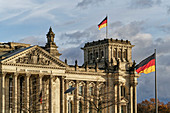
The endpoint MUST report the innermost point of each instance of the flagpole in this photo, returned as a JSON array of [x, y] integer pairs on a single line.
[[107, 75], [107, 28], [156, 100]]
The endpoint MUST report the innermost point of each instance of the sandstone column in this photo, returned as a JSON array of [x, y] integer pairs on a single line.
[[62, 102], [27, 90], [66, 97], [118, 97], [51, 94], [40, 93], [134, 98], [115, 98], [15, 92], [3, 91], [131, 99]]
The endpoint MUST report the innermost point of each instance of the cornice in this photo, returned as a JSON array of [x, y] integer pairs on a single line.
[[35, 66], [84, 73]]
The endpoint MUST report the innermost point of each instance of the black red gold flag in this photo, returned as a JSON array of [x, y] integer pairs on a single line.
[[103, 23], [147, 65]]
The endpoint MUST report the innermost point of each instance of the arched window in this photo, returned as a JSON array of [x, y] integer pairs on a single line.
[[101, 88], [123, 91], [80, 107], [91, 91], [80, 90]]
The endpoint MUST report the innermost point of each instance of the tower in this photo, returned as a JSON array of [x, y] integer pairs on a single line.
[[50, 45], [110, 51]]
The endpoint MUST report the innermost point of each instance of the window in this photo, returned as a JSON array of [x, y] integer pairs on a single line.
[[80, 107], [21, 93], [94, 54], [123, 109], [90, 57], [80, 90], [123, 91], [100, 90], [97, 55], [102, 54], [34, 93], [120, 54], [69, 106], [125, 54], [115, 53], [91, 91], [90, 108]]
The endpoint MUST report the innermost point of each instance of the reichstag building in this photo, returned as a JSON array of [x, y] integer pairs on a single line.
[[33, 79]]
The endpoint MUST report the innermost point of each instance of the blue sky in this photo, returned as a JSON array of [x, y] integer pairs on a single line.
[[146, 23]]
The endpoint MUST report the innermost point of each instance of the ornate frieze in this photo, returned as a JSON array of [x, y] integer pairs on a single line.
[[34, 57]]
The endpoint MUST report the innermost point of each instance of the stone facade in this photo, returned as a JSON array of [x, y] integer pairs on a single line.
[[33, 79]]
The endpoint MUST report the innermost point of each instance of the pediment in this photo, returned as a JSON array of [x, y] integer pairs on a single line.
[[124, 100], [34, 55]]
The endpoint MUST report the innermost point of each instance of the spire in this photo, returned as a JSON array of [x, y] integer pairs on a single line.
[[50, 45], [50, 36]]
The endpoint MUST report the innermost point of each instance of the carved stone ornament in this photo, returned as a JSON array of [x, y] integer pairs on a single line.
[[34, 57]]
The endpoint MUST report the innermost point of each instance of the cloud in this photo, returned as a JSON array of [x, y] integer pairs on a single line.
[[20, 11], [10, 9], [140, 4], [86, 3], [165, 28], [72, 54], [42, 10], [168, 9], [33, 40]]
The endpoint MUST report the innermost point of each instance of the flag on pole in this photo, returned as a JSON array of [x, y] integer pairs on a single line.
[[103, 23], [147, 65]]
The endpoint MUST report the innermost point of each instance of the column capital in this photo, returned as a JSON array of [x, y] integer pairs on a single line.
[[87, 82], [3, 73], [62, 77], [117, 83], [133, 83], [41, 75], [28, 74], [16, 74]]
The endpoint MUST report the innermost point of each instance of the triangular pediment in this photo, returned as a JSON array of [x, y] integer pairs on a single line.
[[124, 100], [33, 55]]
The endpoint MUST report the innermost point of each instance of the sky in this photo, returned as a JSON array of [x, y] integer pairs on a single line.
[[146, 23]]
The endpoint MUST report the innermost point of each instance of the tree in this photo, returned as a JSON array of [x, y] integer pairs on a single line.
[[98, 100], [148, 106]]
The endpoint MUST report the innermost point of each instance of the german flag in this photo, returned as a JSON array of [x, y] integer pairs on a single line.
[[103, 23], [147, 65]]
